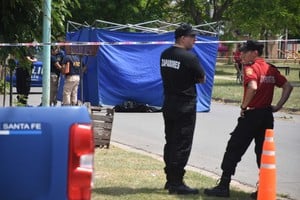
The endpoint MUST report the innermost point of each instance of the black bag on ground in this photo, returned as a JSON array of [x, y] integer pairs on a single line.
[[132, 106]]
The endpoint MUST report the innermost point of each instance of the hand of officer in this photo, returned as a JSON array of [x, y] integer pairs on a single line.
[[242, 112], [275, 108]]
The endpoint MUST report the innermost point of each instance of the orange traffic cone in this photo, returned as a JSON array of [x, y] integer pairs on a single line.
[[267, 174]]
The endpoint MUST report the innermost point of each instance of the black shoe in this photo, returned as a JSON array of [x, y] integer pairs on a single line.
[[167, 186], [218, 191], [182, 189], [253, 195]]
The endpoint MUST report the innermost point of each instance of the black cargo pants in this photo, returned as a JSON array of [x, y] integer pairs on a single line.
[[179, 118], [251, 126], [23, 81]]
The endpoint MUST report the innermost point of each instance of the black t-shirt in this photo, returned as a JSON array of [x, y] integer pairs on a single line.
[[23, 61], [180, 70]]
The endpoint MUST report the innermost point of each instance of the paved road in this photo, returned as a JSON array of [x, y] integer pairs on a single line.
[[144, 131]]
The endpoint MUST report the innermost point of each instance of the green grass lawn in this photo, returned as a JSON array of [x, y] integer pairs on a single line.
[[123, 174], [227, 89]]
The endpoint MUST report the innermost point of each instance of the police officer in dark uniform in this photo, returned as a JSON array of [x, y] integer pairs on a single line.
[[180, 71], [71, 65], [23, 74], [260, 79], [55, 69]]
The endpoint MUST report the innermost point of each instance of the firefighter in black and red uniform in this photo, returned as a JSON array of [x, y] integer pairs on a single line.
[[260, 79], [180, 71]]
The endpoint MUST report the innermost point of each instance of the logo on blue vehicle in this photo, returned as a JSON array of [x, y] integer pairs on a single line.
[[20, 128], [37, 72]]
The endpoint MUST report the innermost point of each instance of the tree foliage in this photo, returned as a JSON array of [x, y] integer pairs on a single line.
[[19, 21], [251, 17], [127, 11], [260, 17], [22, 21], [59, 14]]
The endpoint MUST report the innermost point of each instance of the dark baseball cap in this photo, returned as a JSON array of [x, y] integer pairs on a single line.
[[184, 29], [252, 45]]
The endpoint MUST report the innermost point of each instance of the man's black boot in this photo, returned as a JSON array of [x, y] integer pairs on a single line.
[[253, 195], [218, 191], [181, 189], [167, 185], [221, 190]]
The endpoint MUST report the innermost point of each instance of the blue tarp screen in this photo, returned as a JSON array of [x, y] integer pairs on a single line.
[[131, 71]]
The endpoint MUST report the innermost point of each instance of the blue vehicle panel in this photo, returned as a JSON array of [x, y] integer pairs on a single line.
[[34, 145]]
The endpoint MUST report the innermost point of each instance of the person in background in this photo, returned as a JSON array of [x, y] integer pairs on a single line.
[[55, 71], [256, 114], [23, 74], [61, 53], [71, 69], [237, 63], [180, 72]]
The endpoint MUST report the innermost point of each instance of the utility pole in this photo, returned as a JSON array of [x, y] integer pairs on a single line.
[[46, 51]]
